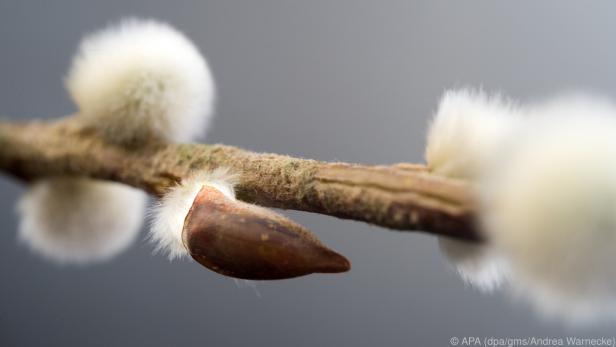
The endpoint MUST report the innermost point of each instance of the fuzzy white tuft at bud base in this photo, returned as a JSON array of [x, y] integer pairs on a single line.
[[142, 79], [79, 221], [169, 215]]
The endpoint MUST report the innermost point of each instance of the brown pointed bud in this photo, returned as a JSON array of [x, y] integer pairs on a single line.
[[245, 241]]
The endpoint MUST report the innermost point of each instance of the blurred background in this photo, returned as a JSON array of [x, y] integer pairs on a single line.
[[352, 80]]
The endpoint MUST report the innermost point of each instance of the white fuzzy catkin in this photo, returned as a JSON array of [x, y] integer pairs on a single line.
[[140, 79], [550, 207], [465, 131], [465, 135], [134, 81], [169, 215], [79, 221]]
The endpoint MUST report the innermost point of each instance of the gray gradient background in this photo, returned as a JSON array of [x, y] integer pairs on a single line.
[[331, 80]]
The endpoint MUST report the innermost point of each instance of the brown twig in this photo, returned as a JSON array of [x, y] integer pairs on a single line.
[[402, 196]]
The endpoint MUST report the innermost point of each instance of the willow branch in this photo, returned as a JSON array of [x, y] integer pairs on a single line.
[[402, 196]]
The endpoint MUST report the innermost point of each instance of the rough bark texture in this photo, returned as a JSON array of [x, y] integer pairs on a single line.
[[403, 196]]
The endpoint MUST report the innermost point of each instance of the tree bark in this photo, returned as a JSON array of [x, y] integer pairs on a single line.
[[402, 196]]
